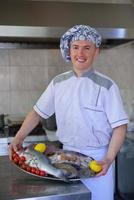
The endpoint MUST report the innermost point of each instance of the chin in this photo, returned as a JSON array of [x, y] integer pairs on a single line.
[[82, 67]]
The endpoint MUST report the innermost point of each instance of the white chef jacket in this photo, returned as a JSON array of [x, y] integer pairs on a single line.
[[87, 108]]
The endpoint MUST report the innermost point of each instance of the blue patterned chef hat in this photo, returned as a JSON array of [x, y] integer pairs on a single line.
[[78, 32]]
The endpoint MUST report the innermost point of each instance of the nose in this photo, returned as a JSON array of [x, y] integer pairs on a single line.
[[80, 52]]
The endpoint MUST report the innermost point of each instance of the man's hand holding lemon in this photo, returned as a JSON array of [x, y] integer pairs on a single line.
[[100, 167], [94, 166]]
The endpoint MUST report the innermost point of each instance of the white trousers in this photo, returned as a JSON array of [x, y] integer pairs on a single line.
[[102, 188]]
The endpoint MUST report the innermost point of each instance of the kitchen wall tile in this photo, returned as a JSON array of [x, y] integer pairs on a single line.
[[4, 102], [23, 101], [4, 78], [4, 59], [104, 65], [26, 57], [36, 57], [52, 57], [38, 78], [28, 78]]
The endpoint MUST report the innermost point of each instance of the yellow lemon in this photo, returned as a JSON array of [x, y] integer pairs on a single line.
[[40, 147], [94, 166]]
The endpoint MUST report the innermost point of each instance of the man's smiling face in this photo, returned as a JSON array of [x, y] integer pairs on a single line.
[[82, 53]]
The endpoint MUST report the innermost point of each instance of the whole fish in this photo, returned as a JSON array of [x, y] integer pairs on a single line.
[[75, 163], [40, 161]]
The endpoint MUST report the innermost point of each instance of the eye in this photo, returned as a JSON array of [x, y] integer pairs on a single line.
[[74, 47], [87, 47]]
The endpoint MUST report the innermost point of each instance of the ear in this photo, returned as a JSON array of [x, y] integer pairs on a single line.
[[97, 51]]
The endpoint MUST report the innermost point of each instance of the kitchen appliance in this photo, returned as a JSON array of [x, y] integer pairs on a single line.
[[50, 123], [14, 127]]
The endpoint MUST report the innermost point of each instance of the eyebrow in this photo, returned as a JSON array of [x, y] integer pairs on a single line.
[[73, 45]]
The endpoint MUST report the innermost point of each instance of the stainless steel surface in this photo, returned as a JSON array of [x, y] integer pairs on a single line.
[[45, 21], [14, 184], [49, 33]]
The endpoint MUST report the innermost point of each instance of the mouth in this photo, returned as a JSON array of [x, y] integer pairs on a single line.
[[81, 60]]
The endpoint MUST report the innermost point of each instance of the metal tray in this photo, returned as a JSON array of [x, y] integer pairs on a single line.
[[48, 177], [76, 155]]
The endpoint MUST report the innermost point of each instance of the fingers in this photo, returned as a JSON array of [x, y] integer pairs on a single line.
[[102, 173], [105, 166], [10, 150], [13, 147]]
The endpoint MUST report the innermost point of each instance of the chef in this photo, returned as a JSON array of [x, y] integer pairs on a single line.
[[88, 108]]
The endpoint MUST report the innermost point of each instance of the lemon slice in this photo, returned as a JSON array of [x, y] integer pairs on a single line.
[[94, 166], [40, 147]]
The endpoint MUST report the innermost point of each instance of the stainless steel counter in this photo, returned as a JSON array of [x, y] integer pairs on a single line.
[[16, 184]]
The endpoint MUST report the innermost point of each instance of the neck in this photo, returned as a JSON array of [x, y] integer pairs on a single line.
[[81, 72]]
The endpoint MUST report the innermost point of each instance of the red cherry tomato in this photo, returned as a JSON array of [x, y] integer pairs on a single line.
[[24, 166], [16, 160], [28, 168], [20, 163], [33, 170], [22, 158], [37, 171], [15, 155], [42, 173]]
